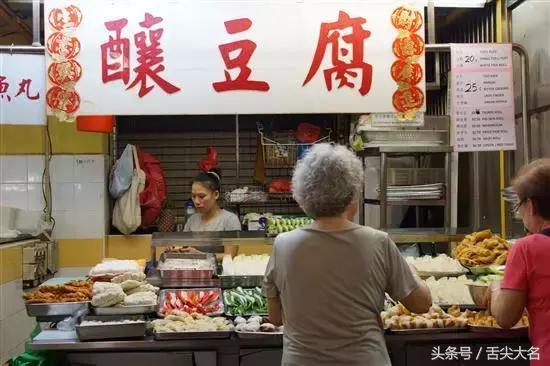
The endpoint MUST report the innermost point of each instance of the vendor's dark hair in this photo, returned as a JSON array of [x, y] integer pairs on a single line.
[[533, 183], [210, 179]]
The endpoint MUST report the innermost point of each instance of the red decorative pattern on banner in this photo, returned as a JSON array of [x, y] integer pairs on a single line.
[[66, 18], [408, 47], [64, 71]]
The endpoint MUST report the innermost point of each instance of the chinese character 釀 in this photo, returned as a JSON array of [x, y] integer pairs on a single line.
[[329, 35], [117, 48], [246, 48], [149, 56]]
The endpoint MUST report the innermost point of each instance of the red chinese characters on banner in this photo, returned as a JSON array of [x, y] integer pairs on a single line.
[[24, 88], [246, 48], [149, 57], [329, 35], [116, 48], [4, 86]]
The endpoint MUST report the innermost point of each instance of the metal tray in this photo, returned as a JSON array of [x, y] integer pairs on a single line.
[[126, 310], [191, 335], [256, 335], [428, 330], [162, 295], [111, 331], [485, 329], [55, 309], [188, 273], [228, 282]]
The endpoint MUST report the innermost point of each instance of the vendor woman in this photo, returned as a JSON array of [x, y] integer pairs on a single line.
[[205, 192], [526, 281]]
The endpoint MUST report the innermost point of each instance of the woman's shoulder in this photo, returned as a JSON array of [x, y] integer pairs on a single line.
[[231, 220], [229, 215]]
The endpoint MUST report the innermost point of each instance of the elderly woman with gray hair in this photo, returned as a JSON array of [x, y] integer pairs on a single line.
[[327, 282]]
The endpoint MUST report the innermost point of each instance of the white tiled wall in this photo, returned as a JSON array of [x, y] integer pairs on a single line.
[[21, 181], [15, 325], [78, 182], [79, 196]]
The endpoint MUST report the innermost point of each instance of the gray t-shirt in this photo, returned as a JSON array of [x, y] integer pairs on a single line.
[[332, 287], [224, 221]]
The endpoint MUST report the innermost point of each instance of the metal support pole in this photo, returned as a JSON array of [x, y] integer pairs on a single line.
[[36, 23], [383, 190], [448, 190], [525, 116], [237, 148]]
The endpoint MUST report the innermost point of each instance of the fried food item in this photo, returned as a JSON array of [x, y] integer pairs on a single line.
[[399, 317], [73, 291], [482, 249], [484, 319]]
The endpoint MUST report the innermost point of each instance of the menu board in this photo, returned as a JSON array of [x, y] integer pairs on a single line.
[[482, 97]]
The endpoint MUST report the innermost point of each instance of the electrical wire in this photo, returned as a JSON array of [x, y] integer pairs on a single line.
[[46, 183]]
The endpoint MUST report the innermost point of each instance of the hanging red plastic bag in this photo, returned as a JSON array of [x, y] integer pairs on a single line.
[[280, 185], [207, 163], [308, 133], [154, 194]]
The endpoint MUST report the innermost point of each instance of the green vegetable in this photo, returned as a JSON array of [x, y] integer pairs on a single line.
[[241, 301]]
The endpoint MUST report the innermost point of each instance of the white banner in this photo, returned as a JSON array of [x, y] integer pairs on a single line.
[[482, 97], [228, 57], [22, 89]]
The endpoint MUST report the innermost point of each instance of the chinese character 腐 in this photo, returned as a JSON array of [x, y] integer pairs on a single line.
[[329, 35]]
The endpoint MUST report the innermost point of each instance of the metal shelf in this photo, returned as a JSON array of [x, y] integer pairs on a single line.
[[427, 235], [200, 239], [430, 202], [404, 149], [239, 238]]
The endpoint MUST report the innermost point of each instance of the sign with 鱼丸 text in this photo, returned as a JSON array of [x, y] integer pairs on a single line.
[[22, 89]]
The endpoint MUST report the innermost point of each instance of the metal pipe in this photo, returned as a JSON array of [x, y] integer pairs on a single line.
[[36, 23], [237, 148], [383, 189], [526, 119], [22, 49]]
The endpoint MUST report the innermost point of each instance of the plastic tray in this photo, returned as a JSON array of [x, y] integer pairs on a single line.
[[111, 331], [126, 310], [172, 336], [162, 296]]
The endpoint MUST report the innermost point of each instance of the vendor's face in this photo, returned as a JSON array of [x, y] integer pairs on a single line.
[[204, 199]]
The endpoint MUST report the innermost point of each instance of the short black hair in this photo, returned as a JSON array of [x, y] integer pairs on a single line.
[[210, 179]]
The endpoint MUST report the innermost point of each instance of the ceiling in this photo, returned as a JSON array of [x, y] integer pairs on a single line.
[[15, 22]]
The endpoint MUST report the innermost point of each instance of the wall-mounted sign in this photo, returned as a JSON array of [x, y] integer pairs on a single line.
[[22, 89], [482, 97], [225, 57]]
